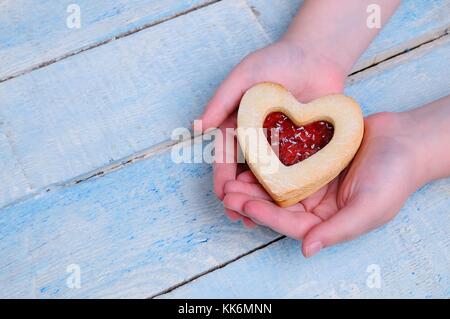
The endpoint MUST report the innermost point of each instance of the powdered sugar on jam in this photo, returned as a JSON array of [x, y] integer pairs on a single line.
[[294, 143]]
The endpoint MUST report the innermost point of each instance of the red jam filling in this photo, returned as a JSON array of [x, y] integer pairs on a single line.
[[296, 143]]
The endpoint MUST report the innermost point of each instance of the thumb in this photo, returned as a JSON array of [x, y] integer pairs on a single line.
[[226, 98], [356, 218]]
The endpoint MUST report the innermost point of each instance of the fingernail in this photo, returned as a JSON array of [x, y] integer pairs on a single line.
[[248, 223], [313, 249]]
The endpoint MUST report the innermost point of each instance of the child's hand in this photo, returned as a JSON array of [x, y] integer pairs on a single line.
[[302, 71], [366, 195], [305, 72]]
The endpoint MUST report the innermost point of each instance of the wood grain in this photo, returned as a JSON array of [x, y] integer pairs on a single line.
[[34, 33], [105, 104], [133, 233], [100, 106], [414, 23], [410, 254], [153, 225]]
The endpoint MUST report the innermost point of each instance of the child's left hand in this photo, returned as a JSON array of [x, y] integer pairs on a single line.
[[304, 71], [364, 196]]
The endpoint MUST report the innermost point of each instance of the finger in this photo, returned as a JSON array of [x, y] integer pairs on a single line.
[[356, 218], [222, 174], [328, 205], [234, 216], [226, 98], [234, 202], [294, 224], [249, 223], [247, 176], [251, 189], [242, 167], [312, 201], [225, 165]]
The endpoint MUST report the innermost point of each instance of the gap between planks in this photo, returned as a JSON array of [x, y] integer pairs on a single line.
[[428, 41], [413, 45], [106, 41], [168, 144], [187, 281]]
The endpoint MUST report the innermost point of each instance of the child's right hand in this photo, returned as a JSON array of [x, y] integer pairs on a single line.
[[399, 153], [385, 171]]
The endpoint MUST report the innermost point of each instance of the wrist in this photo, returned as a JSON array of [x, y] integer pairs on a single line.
[[407, 133], [321, 49], [427, 128], [325, 74], [340, 31]]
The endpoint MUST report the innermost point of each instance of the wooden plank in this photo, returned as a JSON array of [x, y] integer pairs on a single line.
[[426, 20], [399, 78], [133, 232], [275, 16], [154, 224], [414, 22], [105, 104], [410, 254], [34, 32], [100, 106], [12, 177]]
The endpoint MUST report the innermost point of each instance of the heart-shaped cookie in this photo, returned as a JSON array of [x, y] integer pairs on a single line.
[[309, 170]]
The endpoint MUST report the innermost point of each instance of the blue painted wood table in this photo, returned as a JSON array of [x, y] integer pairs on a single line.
[[92, 204]]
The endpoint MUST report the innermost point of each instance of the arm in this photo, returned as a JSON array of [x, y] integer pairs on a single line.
[[430, 137], [337, 29]]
